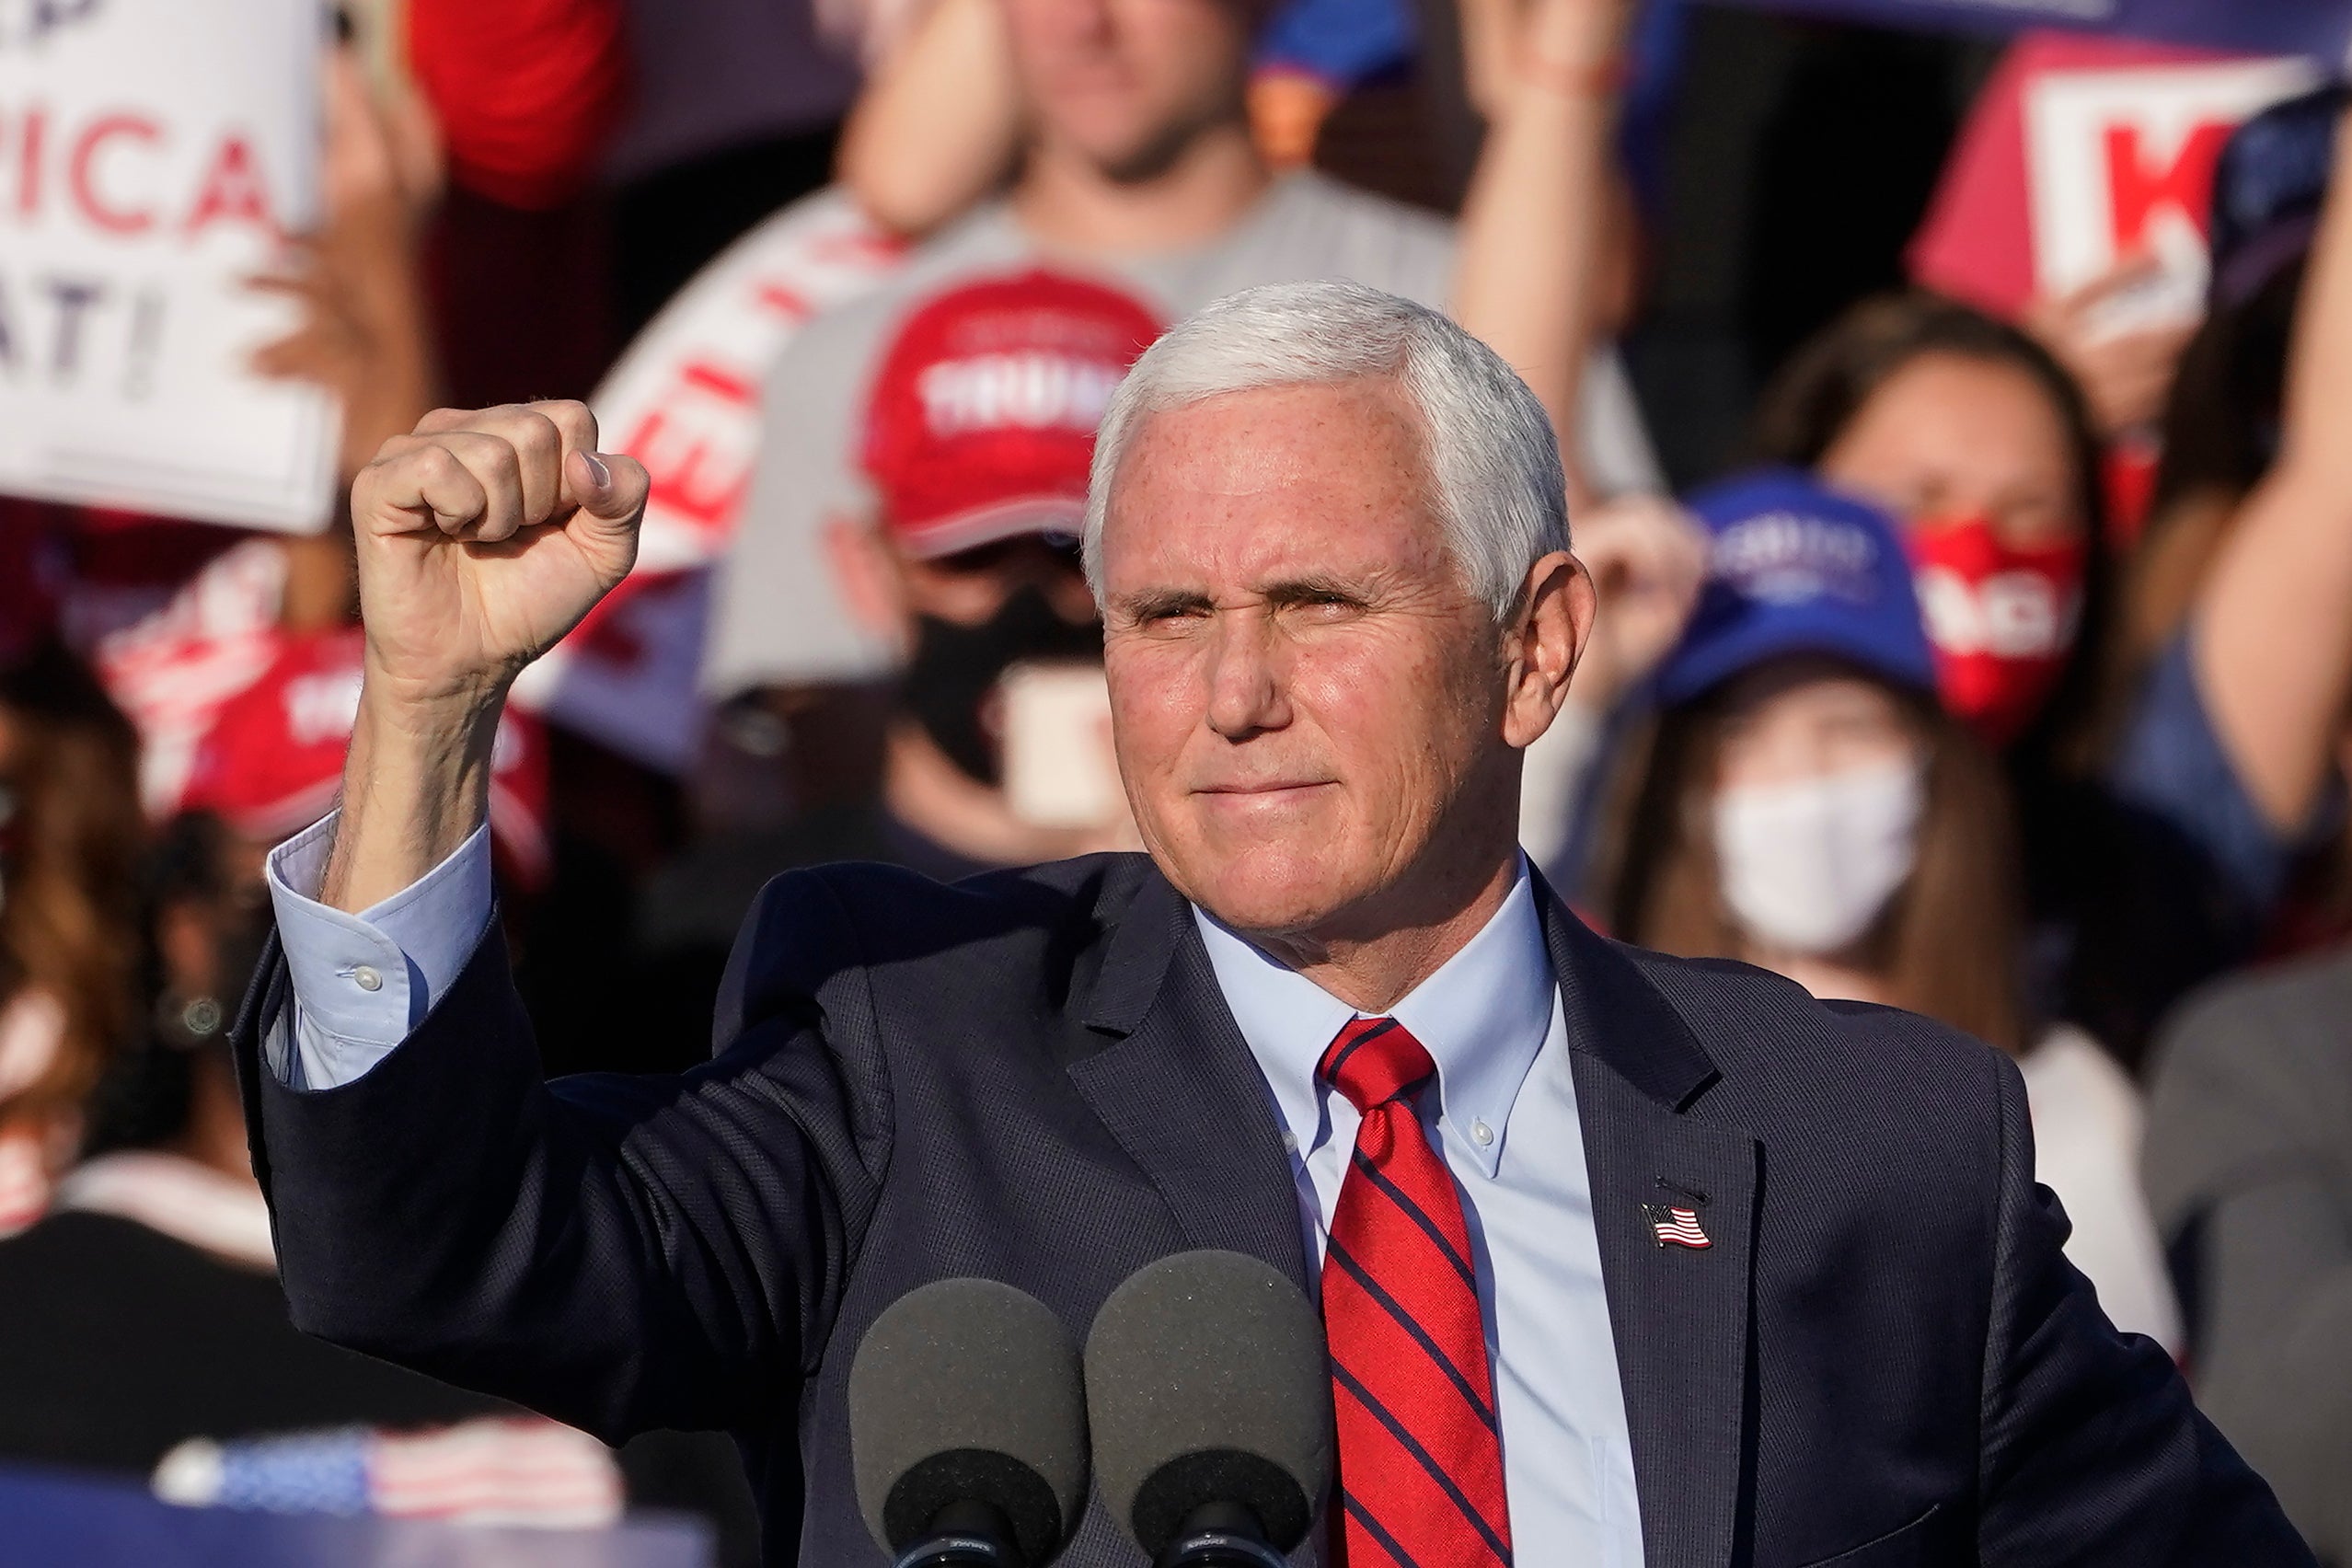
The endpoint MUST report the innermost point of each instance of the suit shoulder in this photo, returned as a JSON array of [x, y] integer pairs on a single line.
[[820, 933], [1771, 1038], [884, 912], [1870, 1116]]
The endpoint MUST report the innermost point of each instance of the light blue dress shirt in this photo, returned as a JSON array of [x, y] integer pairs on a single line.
[[1504, 1116]]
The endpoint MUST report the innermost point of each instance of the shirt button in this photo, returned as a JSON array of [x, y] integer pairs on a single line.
[[1480, 1133], [1290, 1142], [367, 979]]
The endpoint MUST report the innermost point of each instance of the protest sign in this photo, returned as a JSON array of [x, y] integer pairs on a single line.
[[2081, 154], [2120, 163], [2318, 29], [685, 401], [153, 154]]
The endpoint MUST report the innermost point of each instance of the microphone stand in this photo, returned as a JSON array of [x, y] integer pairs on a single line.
[[1220, 1535], [964, 1535]]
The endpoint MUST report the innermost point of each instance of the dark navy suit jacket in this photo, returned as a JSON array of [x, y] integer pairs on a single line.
[[1884, 1361]]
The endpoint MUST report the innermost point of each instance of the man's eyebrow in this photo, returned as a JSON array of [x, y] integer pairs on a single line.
[[1315, 588], [1150, 603]]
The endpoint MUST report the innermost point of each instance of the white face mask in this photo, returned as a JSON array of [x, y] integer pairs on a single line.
[[1807, 866]]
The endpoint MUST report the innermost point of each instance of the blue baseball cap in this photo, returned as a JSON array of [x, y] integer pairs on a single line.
[[1794, 567]]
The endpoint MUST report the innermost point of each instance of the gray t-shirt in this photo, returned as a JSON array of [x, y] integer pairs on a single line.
[[779, 618]]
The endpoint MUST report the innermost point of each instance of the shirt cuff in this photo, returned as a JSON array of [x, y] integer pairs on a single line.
[[362, 982]]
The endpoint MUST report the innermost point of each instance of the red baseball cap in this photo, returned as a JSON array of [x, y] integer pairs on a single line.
[[980, 425], [273, 758]]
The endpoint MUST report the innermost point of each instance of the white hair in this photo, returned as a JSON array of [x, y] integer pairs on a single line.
[[1493, 460]]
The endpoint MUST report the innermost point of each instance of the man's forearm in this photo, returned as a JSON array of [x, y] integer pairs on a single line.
[[416, 785], [481, 540]]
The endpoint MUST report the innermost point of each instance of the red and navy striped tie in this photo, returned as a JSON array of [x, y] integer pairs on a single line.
[[1420, 1452]]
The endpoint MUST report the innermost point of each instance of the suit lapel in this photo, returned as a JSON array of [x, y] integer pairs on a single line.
[[1680, 1315], [1181, 1092]]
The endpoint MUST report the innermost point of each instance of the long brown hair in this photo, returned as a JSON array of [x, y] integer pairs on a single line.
[[68, 886], [1949, 945]]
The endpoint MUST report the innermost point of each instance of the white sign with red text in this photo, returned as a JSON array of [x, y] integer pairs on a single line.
[[2120, 162], [2081, 153], [685, 401], [153, 154]]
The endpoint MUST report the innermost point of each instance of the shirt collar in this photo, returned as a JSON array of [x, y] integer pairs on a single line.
[[1482, 1017]]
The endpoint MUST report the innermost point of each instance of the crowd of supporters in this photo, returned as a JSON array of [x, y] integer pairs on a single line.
[[1921, 688]]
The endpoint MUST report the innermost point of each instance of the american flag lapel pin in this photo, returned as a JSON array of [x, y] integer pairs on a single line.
[[1674, 1225]]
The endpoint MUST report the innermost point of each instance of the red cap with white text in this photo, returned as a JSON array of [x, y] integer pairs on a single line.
[[272, 760], [980, 425]]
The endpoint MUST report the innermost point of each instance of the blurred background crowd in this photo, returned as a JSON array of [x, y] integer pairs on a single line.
[[1964, 645]]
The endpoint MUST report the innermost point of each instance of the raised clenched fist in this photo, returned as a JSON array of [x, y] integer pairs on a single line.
[[483, 537]]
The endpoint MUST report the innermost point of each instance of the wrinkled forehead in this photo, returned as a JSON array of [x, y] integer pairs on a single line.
[[1329, 476]]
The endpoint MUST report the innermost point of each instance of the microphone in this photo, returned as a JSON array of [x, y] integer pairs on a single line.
[[967, 1428], [1209, 1390]]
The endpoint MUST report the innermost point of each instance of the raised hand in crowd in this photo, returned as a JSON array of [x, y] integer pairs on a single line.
[[1543, 223], [1648, 558], [2120, 336], [2245, 1157], [1648, 562], [2272, 623], [936, 125], [482, 538]]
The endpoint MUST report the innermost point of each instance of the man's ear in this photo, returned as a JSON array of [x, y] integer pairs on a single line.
[[1545, 640]]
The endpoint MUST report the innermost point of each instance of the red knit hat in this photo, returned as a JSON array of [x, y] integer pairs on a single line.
[[981, 424], [273, 758]]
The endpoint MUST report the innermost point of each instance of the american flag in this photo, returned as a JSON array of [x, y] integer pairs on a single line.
[[524, 1471], [1675, 1226]]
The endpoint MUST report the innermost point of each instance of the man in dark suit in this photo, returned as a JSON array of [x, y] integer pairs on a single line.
[[1623, 1260]]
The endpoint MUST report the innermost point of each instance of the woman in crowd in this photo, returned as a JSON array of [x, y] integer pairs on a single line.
[[142, 1311], [1977, 441], [159, 1243], [1808, 804], [70, 830]]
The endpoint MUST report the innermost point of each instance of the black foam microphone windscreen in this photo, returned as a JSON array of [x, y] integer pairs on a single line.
[[967, 1391], [1207, 1382]]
